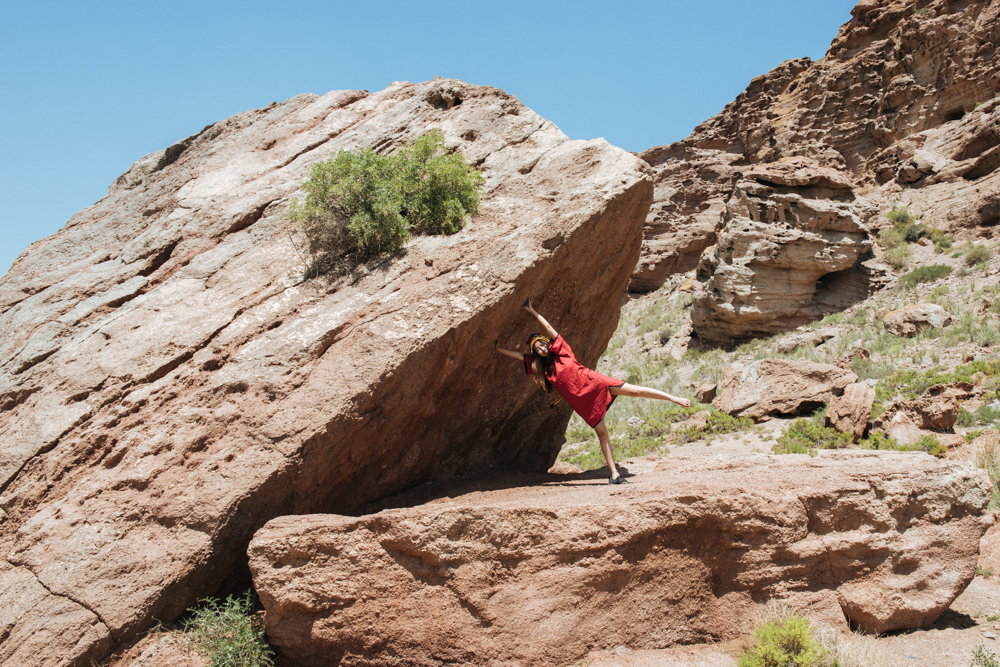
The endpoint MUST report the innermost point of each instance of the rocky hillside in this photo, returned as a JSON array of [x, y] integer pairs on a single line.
[[900, 111], [169, 380]]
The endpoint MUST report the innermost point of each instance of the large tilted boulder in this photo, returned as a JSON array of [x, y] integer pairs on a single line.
[[791, 251], [169, 381], [771, 387], [544, 573]]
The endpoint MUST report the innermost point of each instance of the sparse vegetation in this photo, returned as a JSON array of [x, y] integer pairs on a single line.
[[983, 657], [805, 436], [984, 572], [976, 254], [924, 274], [362, 203], [718, 423], [784, 642], [229, 633]]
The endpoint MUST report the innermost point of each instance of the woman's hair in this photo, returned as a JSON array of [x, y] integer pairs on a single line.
[[540, 365]]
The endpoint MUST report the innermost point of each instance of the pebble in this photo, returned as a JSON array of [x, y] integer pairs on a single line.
[[989, 635]]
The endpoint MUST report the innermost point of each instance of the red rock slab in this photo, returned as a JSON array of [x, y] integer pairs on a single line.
[[547, 573]]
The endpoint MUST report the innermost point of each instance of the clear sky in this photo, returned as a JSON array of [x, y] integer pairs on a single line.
[[90, 87]]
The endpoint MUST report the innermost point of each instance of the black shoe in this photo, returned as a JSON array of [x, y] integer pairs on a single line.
[[617, 480]]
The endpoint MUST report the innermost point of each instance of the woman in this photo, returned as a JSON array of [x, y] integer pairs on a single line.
[[554, 366]]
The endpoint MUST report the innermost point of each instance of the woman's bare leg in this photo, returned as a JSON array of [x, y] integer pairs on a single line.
[[645, 392], [602, 435]]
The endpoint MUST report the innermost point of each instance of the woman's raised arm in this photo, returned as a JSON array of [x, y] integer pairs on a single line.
[[541, 320], [510, 353]]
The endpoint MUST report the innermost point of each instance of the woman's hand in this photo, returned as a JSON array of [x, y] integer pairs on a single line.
[[527, 307]]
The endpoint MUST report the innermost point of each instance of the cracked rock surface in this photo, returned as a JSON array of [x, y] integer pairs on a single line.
[[169, 382], [545, 570]]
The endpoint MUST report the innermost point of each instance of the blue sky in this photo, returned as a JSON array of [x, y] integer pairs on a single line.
[[90, 87]]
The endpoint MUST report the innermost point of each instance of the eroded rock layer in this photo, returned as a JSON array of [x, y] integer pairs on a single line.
[[902, 106], [792, 250], [546, 573], [169, 382]]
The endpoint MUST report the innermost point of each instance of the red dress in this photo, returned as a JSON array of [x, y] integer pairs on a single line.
[[585, 390]]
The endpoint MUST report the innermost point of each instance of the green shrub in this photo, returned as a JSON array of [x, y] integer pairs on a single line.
[[986, 414], [890, 238], [805, 436], [900, 217], [230, 634], [898, 257], [983, 657], [924, 274], [976, 254], [362, 203], [930, 444], [938, 292], [785, 643], [941, 240], [718, 423], [879, 440]]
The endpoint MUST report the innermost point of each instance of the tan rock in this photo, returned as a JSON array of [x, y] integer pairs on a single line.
[[936, 409], [541, 574], [902, 429], [849, 412], [788, 255], [169, 381], [705, 393], [808, 338], [779, 386], [911, 320]]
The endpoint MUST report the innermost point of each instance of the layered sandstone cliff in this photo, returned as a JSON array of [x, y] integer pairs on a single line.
[[169, 381], [901, 108]]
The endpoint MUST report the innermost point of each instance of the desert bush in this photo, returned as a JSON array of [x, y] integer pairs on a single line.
[[805, 436], [931, 445], [229, 633], [977, 254], [924, 274], [780, 643], [890, 238], [942, 241], [900, 217], [362, 203], [927, 443], [898, 257], [986, 414], [878, 440], [718, 423], [983, 657]]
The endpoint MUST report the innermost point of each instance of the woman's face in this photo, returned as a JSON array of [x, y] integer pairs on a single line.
[[541, 348]]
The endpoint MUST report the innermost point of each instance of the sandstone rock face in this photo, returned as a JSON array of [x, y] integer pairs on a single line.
[[910, 320], [849, 412], [780, 386], [789, 254], [543, 574], [901, 107], [169, 382], [900, 427], [936, 409], [808, 338]]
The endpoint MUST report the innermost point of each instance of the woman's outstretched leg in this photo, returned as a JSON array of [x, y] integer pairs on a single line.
[[602, 435], [645, 392]]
